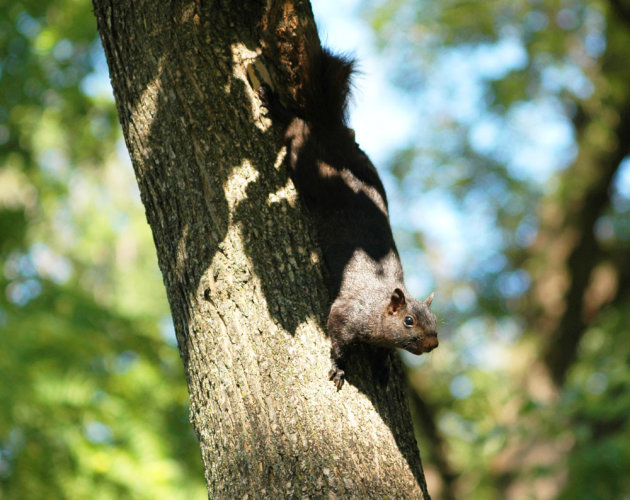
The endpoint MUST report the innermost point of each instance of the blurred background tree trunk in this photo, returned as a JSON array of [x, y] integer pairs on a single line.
[[239, 264], [529, 142]]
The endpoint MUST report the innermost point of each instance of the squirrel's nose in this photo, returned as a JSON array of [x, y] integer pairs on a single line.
[[431, 341]]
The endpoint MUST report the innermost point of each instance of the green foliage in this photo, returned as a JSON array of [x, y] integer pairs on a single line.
[[93, 402], [519, 105]]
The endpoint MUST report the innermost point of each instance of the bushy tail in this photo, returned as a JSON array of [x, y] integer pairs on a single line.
[[324, 98]]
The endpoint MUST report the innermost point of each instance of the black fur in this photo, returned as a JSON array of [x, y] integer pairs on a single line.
[[346, 197]]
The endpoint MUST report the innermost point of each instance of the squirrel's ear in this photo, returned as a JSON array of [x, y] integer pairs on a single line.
[[397, 301], [429, 299]]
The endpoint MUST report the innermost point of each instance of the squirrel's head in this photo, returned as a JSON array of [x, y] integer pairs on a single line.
[[410, 322]]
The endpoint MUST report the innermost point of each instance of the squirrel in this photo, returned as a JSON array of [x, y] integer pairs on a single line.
[[344, 193]]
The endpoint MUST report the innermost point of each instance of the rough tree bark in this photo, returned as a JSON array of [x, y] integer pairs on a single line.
[[239, 263]]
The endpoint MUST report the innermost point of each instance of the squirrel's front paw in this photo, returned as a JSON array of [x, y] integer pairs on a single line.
[[266, 95], [336, 374]]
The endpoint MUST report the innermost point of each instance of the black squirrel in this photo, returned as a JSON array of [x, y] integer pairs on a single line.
[[345, 195]]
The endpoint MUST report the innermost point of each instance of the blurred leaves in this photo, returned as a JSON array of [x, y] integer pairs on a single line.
[[515, 176], [514, 183], [93, 402]]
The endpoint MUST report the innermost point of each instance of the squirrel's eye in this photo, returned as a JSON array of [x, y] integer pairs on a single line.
[[408, 321]]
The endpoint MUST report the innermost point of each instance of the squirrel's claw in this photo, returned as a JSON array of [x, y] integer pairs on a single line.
[[336, 374], [265, 93]]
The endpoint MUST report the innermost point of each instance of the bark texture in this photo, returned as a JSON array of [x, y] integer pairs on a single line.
[[240, 266]]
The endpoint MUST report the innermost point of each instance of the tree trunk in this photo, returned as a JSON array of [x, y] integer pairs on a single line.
[[239, 261], [574, 275]]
